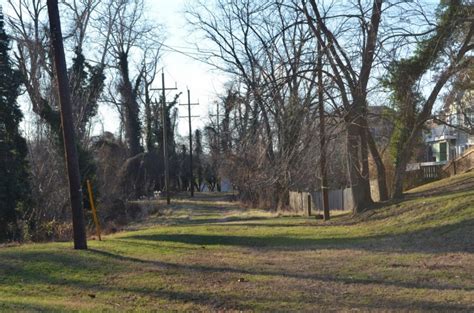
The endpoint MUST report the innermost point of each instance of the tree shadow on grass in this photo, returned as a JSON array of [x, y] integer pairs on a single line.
[[457, 237], [242, 241], [55, 267], [391, 305], [51, 267], [210, 270], [15, 306], [204, 221], [461, 185], [381, 211]]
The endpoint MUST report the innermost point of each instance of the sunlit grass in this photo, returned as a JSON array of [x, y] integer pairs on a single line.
[[213, 255]]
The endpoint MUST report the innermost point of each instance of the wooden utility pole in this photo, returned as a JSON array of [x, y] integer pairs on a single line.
[[191, 176], [322, 134], [70, 150], [165, 134]]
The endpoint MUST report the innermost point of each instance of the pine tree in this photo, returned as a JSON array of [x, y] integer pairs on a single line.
[[13, 148]]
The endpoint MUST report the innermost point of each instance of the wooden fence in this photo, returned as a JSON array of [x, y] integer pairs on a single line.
[[422, 174], [305, 202], [339, 199], [460, 165]]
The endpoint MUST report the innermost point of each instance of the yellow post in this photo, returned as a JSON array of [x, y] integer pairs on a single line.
[[94, 211]]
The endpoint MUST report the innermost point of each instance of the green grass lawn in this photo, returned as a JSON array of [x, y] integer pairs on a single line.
[[210, 255]]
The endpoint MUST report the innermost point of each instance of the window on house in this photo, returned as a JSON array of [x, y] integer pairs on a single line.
[[443, 151]]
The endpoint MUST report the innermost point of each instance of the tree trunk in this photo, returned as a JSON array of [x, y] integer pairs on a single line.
[[148, 122], [360, 187], [132, 122], [322, 135], [397, 191], [281, 199], [381, 175], [400, 169], [364, 153]]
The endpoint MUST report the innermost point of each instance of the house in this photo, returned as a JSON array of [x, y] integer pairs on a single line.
[[452, 132]]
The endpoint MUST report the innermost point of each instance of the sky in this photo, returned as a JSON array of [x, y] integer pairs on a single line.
[[204, 82]]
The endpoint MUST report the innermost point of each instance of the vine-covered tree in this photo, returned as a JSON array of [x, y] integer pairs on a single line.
[[86, 82], [198, 161], [450, 42], [13, 149]]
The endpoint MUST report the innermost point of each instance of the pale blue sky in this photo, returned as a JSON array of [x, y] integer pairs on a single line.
[[203, 81]]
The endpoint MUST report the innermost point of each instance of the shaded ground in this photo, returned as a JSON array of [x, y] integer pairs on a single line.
[[210, 255]]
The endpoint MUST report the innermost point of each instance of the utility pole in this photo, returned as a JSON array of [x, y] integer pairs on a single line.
[[70, 150], [191, 176], [165, 135]]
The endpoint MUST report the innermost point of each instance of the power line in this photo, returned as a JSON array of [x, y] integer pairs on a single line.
[[197, 56], [197, 50]]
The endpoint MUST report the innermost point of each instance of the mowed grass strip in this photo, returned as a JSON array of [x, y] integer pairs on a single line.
[[415, 255]]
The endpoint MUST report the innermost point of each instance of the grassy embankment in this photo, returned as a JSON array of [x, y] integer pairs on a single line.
[[416, 255]]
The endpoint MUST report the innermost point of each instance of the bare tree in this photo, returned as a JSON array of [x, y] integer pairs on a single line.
[[131, 34], [34, 59], [269, 55], [458, 104], [352, 77], [33, 55]]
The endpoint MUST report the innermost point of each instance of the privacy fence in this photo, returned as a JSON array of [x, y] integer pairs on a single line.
[[304, 202]]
